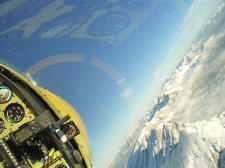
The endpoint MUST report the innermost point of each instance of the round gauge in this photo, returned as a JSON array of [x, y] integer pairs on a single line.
[[14, 112], [5, 94], [2, 125]]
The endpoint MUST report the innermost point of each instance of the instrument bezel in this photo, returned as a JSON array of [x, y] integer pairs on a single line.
[[10, 92]]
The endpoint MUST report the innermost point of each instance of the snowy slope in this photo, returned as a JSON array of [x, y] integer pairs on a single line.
[[172, 145], [200, 145], [125, 149]]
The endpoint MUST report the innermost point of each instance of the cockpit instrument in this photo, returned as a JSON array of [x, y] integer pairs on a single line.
[[5, 94], [14, 112]]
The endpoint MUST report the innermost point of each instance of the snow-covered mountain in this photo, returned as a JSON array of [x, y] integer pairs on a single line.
[[178, 132], [185, 126], [173, 145]]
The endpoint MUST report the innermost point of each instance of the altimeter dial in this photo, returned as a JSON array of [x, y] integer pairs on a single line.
[[14, 113]]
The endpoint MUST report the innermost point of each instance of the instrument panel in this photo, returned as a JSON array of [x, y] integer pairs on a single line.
[[31, 134], [14, 110]]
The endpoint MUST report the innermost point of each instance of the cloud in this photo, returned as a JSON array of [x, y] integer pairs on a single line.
[[203, 91]]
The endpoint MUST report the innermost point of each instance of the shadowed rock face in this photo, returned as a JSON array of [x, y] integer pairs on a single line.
[[161, 102], [222, 159], [154, 146]]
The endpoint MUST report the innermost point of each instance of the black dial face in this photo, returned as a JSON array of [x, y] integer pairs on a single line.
[[2, 125], [14, 113]]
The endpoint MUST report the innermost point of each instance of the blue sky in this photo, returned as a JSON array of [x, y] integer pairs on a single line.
[[135, 54]]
